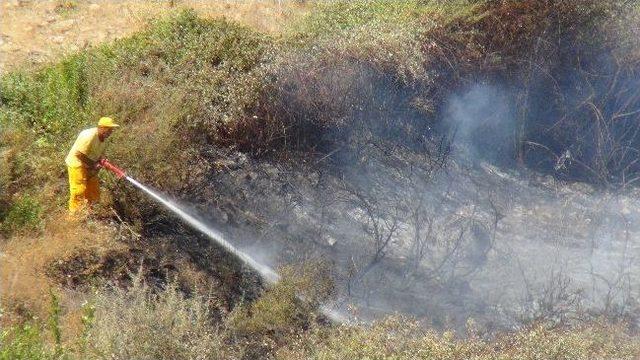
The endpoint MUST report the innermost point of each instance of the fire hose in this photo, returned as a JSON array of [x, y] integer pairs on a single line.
[[104, 163]]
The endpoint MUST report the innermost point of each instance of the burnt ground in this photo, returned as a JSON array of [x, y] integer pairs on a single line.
[[468, 240]]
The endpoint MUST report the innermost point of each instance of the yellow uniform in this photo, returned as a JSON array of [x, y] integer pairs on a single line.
[[83, 182]]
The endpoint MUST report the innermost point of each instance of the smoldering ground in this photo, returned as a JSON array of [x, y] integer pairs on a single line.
[[441, 241], [563, 249], [442, 197]]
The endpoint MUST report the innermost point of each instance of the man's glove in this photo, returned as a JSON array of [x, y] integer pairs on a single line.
[[93, 171]]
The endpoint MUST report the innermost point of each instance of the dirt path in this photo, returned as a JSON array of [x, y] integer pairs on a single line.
[[37, 31]]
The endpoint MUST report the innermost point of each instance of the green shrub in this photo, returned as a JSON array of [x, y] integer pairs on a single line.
[[285, 309], [277, 312], [40, 113], [24, 215], [28, 341], [24, 342], [64, 99], [51, 101], [54, 322]]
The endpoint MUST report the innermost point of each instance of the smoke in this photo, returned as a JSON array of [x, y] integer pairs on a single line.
[[544, 249], [443, 241], [477, 240], [409, 228], [482, 119]]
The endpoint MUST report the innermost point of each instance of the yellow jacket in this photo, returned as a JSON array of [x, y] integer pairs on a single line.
[[88, 143]]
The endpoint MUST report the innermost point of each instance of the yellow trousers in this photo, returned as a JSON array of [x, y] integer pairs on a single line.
[[83, 187]]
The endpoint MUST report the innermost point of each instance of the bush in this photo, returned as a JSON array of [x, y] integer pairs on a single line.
[[337, 18], [40, 113], [52, 102], [27, 341], [141, 323], [23, 342], [287, 308], [351, 70], [185, 79], [24, 215]]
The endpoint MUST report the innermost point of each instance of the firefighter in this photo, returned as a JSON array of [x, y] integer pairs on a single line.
[[83, 164]]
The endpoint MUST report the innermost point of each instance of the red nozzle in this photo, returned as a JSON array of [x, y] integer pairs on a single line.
[[114, 169]]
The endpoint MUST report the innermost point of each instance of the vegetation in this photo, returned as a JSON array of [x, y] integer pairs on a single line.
[[25, 214], [139, 323], [187, 82], [398, 338], [142, 323], [176, 73], [350, 75], [23, 342]]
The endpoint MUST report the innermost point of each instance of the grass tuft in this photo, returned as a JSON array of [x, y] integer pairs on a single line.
[[25, 215]]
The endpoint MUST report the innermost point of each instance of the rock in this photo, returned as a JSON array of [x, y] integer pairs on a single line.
[[57, 39], [241, 158], [251, 176], [36, 56], [9, 47], [271, 170], [64, 26], [224, 218]]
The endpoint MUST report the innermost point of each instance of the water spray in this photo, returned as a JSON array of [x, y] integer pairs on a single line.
[[266, 272]]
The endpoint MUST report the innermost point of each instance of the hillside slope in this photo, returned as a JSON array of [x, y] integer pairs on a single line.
[[468, 165]]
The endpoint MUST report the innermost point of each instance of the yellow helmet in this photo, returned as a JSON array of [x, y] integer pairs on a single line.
[[107, 122]]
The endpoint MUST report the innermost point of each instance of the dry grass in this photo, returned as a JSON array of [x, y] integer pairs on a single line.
[[23, 284], [37, 31], [400, 338], [143, 323]]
